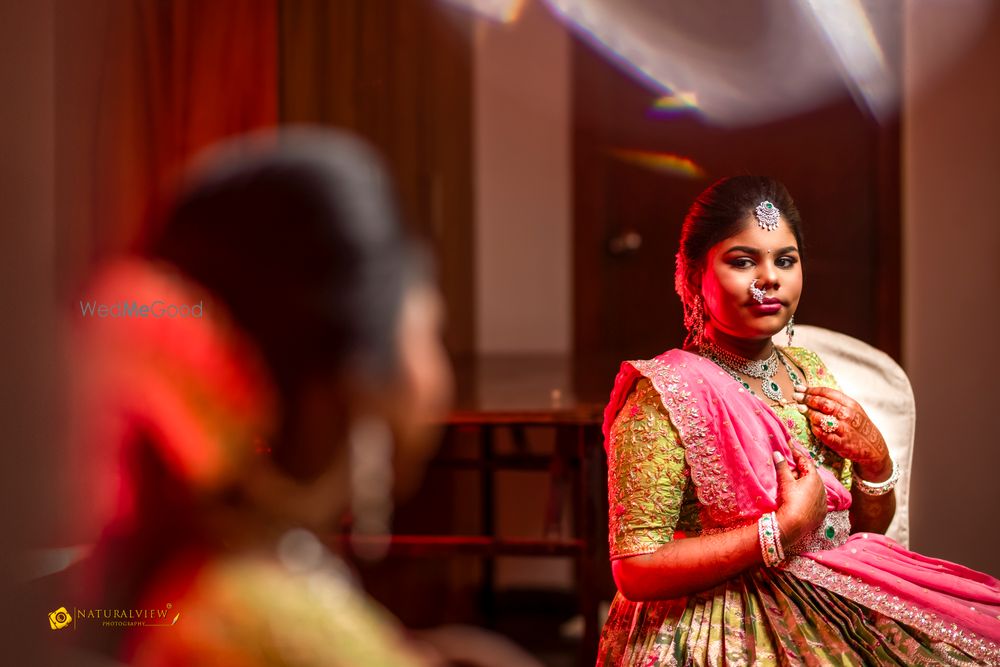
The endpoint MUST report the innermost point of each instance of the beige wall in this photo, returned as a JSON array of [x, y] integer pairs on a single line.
[[951, 184], [523, 232], [522, 158]]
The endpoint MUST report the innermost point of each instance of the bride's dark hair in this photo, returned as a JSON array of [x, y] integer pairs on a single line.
[[719, 212]]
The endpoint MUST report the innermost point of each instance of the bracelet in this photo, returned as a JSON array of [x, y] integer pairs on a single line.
[[777, 537], [879, 488], [770, 539]]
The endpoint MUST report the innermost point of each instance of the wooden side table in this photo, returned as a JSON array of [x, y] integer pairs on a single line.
[[518, 393]]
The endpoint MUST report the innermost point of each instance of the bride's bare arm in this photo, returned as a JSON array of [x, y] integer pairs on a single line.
[[872, 514], [695, 564], [688, 565]]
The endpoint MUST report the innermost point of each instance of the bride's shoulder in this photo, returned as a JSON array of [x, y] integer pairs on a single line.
[[802, 355], [674, 363], [673, 358], [662, 365], [810, 362], [677, 356]]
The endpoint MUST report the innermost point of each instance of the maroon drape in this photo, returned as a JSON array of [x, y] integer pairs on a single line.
[[142, 86]]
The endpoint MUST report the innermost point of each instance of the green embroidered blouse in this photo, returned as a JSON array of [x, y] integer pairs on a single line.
[[650, 492]]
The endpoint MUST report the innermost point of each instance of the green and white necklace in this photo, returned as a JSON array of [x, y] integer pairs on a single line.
[[761, 369]]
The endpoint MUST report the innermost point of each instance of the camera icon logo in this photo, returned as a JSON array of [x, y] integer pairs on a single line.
[[60, 618]]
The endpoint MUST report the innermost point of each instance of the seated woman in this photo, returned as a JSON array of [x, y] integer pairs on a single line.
[[748, 494], [285, 373]]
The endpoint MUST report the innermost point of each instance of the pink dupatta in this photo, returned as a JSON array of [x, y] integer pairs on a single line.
[[729, 436]]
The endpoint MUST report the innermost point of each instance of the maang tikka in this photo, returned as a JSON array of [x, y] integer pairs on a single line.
[[767, 215]]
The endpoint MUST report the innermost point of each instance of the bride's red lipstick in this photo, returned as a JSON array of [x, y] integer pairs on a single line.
[[770, 306]]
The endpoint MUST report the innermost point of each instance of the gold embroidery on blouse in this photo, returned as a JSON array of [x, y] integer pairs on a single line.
[[646, 475], [699, 439], [649, 477]]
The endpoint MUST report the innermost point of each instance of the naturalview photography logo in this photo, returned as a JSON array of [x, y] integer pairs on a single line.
[[60, 618], [156, 309], [115, 618]]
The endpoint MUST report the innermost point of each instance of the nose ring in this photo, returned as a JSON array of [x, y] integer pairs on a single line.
[[757, 293]]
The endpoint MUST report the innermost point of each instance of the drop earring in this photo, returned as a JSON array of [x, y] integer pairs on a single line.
[[371, 487], [790, 329], [694, 322]]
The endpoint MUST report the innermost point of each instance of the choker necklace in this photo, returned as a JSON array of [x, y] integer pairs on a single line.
[[762, 369]]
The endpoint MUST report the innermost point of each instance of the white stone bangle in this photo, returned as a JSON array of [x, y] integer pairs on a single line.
[[777, 536], [770, 539], [879, 488]]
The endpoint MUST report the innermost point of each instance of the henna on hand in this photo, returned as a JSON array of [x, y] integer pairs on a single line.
[[856, 438]]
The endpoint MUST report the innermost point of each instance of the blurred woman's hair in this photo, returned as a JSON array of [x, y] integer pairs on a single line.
[[300, 238]]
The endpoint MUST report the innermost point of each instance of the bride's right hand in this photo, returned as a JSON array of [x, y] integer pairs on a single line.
[[802, 501]]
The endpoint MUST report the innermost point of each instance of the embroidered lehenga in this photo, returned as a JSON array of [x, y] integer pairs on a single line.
[[689, 452]]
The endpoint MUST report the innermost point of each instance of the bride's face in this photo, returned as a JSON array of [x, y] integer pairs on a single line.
[[769, 257]]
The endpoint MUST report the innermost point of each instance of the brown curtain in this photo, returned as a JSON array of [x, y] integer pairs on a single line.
[[400, 74], [142, 85]]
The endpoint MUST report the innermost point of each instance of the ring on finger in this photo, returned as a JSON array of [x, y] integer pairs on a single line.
[[825, 406], [829, 424]]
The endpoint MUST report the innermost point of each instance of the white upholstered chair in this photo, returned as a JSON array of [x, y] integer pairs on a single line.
[[874, 380]]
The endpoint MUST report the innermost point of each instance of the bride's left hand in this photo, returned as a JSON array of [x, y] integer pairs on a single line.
[[850, 432]]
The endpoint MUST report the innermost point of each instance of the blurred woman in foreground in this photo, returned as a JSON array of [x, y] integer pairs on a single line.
[[284, 374]]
